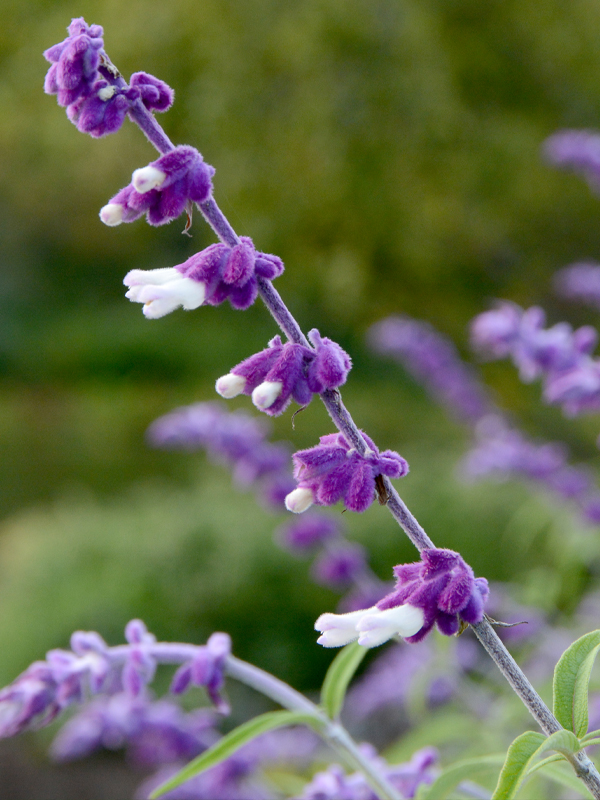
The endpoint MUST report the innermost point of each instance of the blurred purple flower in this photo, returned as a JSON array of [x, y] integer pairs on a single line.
[[432, 359], [577, 150], [580, 281], [339, 564], [307, 532]]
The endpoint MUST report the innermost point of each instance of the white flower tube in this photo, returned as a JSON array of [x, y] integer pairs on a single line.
[[230, 385], [266, 393], [370, 626], [163, 290], [299, 500]]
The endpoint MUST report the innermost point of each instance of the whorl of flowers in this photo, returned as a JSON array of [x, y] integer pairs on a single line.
[[210, 277], [285, 371], [439, 590], [162, 190], [96, 97], [334, 471]]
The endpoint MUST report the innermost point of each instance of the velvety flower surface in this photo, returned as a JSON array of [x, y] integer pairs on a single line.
[[163, 189], [433, 360], [83, 79], [210, 277], [285, 371], [334, 471], [439, 590]]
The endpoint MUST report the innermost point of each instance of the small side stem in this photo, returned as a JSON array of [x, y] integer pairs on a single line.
[[334, 733]]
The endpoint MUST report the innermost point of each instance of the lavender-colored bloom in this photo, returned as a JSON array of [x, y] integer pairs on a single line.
[[210, 277], [339, 565], [580, 281], [576, 150], [163, 189], [75, 62], [206, 669], [558, 354], [285, 371], [440, 590], [335, 784], [154, 733], [433, 360], [307, 532], [155, 94], [334, 471]]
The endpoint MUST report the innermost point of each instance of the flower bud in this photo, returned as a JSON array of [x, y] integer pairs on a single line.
[[112, 214], [266, 393], [147, 178], [231, 385], [299, 500]]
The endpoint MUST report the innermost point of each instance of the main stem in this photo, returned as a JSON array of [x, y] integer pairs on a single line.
[[332, 400]]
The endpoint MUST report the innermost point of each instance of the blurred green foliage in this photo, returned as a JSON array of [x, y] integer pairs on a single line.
[[389, 153]]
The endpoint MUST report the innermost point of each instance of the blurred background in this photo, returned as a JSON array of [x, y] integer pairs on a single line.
[[389, 152]]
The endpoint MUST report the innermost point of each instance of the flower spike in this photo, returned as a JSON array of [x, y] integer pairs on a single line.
[[334, 471], [441, 590], [285, 371]]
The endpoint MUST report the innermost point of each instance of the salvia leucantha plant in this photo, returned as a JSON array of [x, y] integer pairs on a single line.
[[109, 685]]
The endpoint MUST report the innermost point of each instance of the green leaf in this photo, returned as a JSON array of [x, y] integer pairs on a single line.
[[233, 741], [590, 738], [544, 763], [571, 679], [339, 675], [461, 771], [523, 751]]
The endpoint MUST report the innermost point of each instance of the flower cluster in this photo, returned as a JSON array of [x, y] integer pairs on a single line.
[[91, 667], [559, 355], [285, 371], [501, 451], [210, 277], [432, 360], [581, 282], [236, 439], [577, 150], [439, 590], [334, 784], [162, 190], [333, 471], [84, 80]]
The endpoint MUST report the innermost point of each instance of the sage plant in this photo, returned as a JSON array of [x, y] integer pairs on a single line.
[[439, 589]]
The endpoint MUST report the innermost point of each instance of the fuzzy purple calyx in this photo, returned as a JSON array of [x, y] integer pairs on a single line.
[[186, 179], [333, 471], [74, 62], [283, 372], [443, 586]]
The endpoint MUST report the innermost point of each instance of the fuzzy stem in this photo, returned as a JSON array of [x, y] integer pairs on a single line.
[[332, 400]]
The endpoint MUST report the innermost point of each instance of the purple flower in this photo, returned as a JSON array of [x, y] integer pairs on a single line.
[[440, 590], [335, 784], [153, 732], [155, 94], [339, 564], [285, 371], [74, 62], [215, 274], [307, 532], [579, 281], [163, 189], [577, 150], [206, 669], [103, 110], [432, 359], [334, 471]]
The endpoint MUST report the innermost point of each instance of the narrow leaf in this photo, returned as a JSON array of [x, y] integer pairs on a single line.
[[593, 737], [571, 679], [566, 778], [521, 754], [450, 778], [232, 742], [544, 763], [338, 677]]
